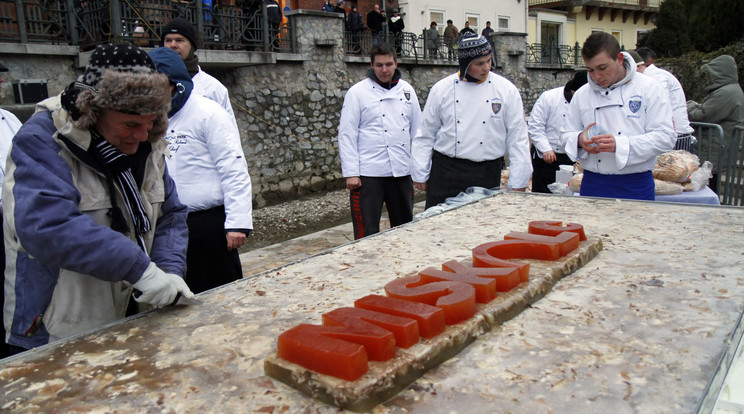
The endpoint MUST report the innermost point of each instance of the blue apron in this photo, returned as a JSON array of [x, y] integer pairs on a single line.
[[637, 186]]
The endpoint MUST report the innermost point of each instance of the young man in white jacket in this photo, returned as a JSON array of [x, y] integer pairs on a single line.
[[471, 119], [208, 165], [632, 118], [379, 118], [546, 119]]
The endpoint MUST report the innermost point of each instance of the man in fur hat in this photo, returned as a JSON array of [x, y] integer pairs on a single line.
[[89, 208], [471, 119], [180, 35]]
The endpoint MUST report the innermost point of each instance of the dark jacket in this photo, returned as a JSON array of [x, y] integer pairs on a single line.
[[374, 21], [396, 25]]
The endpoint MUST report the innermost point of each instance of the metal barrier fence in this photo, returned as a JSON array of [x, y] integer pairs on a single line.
[[86, 23], [733, 180], [407, 45], [552, 55]]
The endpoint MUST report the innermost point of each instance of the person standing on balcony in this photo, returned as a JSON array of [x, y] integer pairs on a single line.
[[355, 25], [617, 124], [432, 41], [180, 35], [329, 6], [451, 34], [723, 105], [275, 16], [544, 128], [487, 31], [207, 163], [375, 21], [467, 30], [396, 26], [677, 99], [379, 118], [471, 120]]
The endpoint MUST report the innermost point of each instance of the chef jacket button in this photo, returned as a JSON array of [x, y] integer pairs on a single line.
[[383, 114], [458, 142], [457, 100], [481, 143], [484, 122], [487, 100], [599, 160]]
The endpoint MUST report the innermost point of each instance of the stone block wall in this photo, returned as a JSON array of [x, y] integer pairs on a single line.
[[288, 111]]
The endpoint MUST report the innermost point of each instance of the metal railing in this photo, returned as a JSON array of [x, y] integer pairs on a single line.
[[554, 55], [733, 181], [407, 45], [86, 23], [603, 3]]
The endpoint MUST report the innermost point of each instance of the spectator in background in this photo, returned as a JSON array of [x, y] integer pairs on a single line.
[[677, 99], [355, 25], [379, 118], [618, 124], [471, 120], [451, 34], [9, 125], [648, 55], [274, 16], [90, 211], [375, 22], [329, 6], [487, 31], [467, 30], [207, 163], [396, 27], [180, 35], [432, 41], [723, 105], [341, 10], [544, 128]]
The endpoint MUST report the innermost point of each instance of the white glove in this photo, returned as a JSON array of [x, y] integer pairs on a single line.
[[159, 288]]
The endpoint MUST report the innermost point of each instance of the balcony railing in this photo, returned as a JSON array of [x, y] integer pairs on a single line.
[[407, 45], [603, 3], [554, 55], [87, 23]]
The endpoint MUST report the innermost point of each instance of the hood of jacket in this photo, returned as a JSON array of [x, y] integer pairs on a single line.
[[171, 65], [721, 71], [630, 70]]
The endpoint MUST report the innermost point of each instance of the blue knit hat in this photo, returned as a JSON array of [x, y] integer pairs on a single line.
[[471, 47]]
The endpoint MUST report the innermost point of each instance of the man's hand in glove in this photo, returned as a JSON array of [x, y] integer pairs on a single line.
[[159, 288]]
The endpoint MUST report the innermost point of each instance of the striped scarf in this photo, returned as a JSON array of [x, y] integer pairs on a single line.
[[118, 171]]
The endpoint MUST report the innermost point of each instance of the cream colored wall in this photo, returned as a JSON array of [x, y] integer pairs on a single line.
[[416, 21], [627, 30]]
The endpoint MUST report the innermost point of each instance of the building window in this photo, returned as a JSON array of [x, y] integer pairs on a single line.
[[619, 36], [504, 25], [438, 17], [474, 21], [640, 34]]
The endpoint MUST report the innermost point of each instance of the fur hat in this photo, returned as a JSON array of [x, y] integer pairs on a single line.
[[182, 27], [122, 78], [470, 48]]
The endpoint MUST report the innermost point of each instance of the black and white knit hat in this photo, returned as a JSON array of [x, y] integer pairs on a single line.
[[471, 47], [122, 78], [180, 26]]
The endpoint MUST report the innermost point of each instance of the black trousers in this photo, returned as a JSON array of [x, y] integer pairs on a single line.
[[209, 263], [544, 173], [4, 350], [450, 176], [366, 203]]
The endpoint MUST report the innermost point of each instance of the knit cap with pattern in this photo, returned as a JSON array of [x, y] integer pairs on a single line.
[[470, 48]]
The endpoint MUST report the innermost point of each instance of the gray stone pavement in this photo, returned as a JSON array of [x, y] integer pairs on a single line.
[[279, 254]]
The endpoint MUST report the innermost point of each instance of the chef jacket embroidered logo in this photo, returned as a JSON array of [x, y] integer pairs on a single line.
[[496, 107], [407, 94], [634, 105]]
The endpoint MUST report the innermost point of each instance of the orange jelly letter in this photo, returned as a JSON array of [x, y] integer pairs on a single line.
[[430, 319], [566, 241], [405, 329], [487, 255], [553, 228], [485, 289], [309, 346], [504, 278], [456, 299]]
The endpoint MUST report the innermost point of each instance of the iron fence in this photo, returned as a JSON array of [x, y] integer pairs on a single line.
[[86, 23], [553, 55], [407, 45]]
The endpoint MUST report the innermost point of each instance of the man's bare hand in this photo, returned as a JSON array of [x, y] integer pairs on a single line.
[[235, 239], [549, 157], [352, 183], [420, 186]]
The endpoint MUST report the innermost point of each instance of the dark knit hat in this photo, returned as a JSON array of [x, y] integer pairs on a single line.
[[471, 47], [182, 27], [122, 78], [579, 80], [636, 57]]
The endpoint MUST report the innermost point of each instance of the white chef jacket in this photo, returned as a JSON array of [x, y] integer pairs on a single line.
[[207, 162], [676, 97], [207, 85], [546, 119], [376, 129], [9, 125], [636, 111], [474, 121]]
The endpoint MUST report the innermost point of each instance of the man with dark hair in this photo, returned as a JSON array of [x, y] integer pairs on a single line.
[[90, 210], [487, 31], [379, 118], [471, 120], [648, 55], [180, 35], [544, 128], [618, 124], [466, 30], [375, 21], [396, 27], [451, 34]]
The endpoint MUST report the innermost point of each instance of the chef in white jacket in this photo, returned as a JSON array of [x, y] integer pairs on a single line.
[[379, 118], [617, 124], [471, 120], [208, 165]]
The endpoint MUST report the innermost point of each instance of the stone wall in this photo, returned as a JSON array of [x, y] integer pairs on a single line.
[[288, 110]]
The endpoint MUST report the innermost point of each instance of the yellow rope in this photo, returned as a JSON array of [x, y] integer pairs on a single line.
[[142, 18]]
